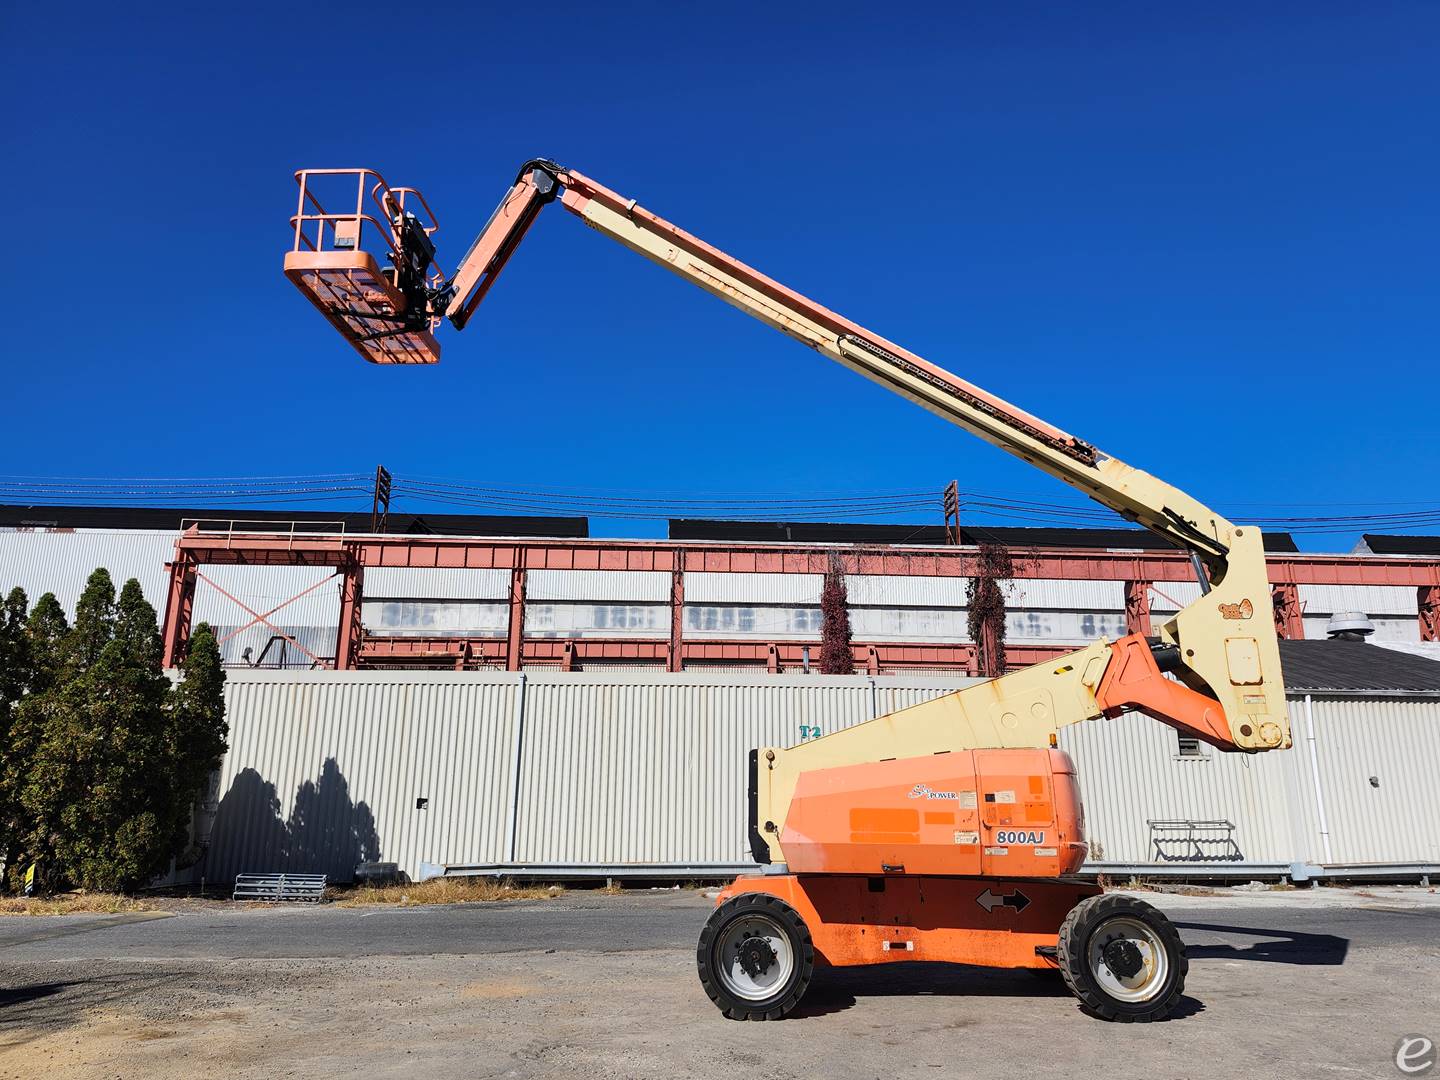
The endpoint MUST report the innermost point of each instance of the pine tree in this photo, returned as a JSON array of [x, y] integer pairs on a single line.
[[94, 623], [99, 762], [45, 632], [121, 754], [836, 657], [15, 666], [197, 731], [14, 653], [136, 629]]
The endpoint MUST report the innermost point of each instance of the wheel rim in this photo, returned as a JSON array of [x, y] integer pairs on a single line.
[[753, 957], [1128, 959]]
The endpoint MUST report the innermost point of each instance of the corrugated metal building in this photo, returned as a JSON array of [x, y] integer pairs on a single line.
[[644, 767], [644, 772]]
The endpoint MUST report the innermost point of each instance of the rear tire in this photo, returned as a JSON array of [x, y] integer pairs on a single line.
[[755, 957], [1123, 959]]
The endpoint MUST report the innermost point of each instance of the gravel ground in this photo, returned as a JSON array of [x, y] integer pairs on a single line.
[[1311, 983]]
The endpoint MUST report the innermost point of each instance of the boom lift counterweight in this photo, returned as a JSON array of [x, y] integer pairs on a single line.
[[945, 831]]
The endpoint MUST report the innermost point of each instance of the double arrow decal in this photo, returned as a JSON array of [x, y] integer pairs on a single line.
[[1017, 900]]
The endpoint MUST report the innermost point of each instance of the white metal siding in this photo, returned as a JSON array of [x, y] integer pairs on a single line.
[[263, 589], [649, 767], [641, 585], [655, 772], [907, 590], [1398, 743], [428, 583], [904, 590], [705, 587], [1062, 595], [1130, 774], [60, 562], [1168, 597], [1371, 599], [950, 625], [371, 744], [297, 647]]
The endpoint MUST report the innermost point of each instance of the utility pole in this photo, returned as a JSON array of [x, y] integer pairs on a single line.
[[380, 506], [952, 512]]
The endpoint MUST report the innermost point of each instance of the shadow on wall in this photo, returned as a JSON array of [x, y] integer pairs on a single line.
[[326, 833]]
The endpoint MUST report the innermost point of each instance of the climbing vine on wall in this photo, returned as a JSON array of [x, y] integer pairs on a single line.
[[835, 655], [985, 601]]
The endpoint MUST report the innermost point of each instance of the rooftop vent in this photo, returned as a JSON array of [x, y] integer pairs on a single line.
[[1349, 626]]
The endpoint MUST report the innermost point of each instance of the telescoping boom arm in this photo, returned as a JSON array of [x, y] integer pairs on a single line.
[[1221, 649], [1133, 494]]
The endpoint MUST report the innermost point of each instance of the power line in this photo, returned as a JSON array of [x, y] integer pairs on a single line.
[[636, 504]]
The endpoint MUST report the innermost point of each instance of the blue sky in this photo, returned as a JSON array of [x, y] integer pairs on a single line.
[[1201, 237]]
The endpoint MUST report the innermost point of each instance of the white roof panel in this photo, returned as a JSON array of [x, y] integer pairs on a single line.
[[427, 583], [905, 590], [652, 586], [706, 587], [1371, 599]]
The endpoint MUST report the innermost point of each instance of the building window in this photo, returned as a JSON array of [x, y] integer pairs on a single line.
[[434, 617], [581, 618], [1187, 746], [760, 620], [908, 624], [805, 620]]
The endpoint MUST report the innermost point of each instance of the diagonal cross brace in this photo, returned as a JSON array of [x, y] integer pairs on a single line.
[[265, 618]]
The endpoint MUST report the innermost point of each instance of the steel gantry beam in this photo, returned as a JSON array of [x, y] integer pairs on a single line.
[[1289, 614], [445, 552], [1137, 608], [379, 651], [1141, 571], [1428, 600]]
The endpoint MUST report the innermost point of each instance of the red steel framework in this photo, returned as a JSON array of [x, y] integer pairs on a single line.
[[1141, 571]]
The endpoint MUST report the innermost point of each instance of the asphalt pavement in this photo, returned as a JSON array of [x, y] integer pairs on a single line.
[[1313, 983]]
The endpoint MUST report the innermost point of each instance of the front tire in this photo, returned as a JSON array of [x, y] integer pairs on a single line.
[[1123, 959], [755, 957]]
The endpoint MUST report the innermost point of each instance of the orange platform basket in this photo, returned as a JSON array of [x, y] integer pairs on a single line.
[[331, 265]]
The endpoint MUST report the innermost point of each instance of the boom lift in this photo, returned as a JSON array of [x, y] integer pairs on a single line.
[[946, 831]]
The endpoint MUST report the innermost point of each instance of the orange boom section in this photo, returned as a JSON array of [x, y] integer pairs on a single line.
[[1007, 813]]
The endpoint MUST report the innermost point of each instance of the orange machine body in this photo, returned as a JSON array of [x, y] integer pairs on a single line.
[[957, 857], [990, 922], [995, 813]]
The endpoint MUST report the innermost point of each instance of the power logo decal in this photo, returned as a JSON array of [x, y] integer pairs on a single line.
[[1243, 610], [924, 791]]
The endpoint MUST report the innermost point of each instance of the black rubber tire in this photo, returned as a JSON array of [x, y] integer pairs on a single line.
[[788, 995], [1075, 932]]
